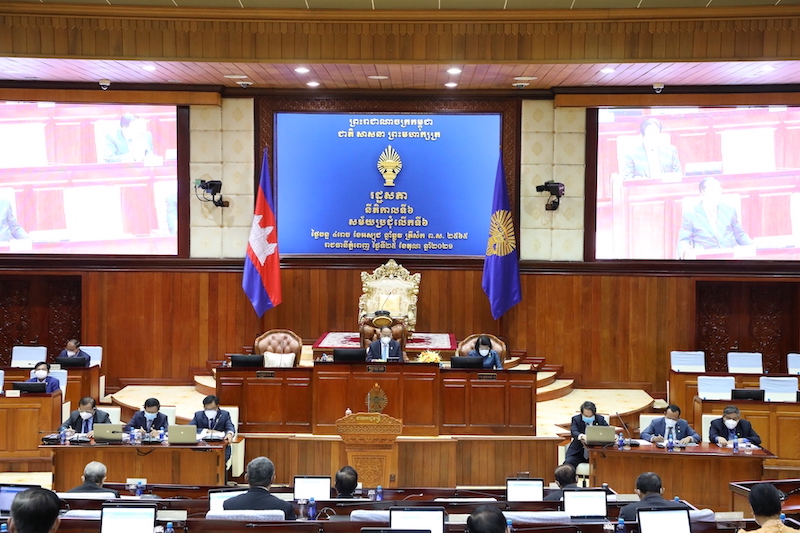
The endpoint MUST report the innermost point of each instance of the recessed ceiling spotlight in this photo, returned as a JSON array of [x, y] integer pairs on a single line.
[[454, 70], [607, 70], [149, 68], [768, 68], [302, 70], [589, 83], [313, 84], [174, 81], [378, 77], [525, 78], [235, 76], [451, 85]]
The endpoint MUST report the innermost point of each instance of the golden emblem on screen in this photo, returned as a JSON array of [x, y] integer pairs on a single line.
[[376, 399], [389, 165], [501, 234]]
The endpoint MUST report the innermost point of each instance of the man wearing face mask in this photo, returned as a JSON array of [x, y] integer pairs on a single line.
[[731, 426], [386, 348], [41, 374], [577, 452], [150, 421], [73, 349], [212, 418], [660, 428], [85, 417]]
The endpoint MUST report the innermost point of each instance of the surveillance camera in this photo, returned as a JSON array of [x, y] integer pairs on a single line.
[[658, 87], [553, 187], [104, 84], [244, 84], [520, 85]]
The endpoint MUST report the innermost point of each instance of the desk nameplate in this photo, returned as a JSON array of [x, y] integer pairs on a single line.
[[265, 374], [376, 368], [487, 376]]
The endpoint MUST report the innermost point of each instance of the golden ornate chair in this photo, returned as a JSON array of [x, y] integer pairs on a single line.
[[278, 341], [391, 288], [464, 347]]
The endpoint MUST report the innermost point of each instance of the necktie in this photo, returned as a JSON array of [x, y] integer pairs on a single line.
[[85, 426], [385, 351], [731, 434], [210, 423]]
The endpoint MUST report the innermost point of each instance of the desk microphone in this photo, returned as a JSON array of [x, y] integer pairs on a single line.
[[630, 442], [414, 496]]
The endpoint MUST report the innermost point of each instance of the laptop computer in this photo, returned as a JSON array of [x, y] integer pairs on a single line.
[[182, 434], [524, 489], [662, 519], [108, 432], [307, 487], [466, 362], [7, 494], [216, 497], [428, 518], [600, 435], [585, 505], [129, 517]]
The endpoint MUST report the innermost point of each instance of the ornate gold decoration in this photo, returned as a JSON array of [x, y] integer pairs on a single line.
[[389, 165], [369, 431], [501, 234], [390, 280], [429, 356], [376, 399]]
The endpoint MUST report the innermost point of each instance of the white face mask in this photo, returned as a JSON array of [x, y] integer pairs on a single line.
[[211, 413], [484, 351], [670, 423], [385, 340], [731, 424], [86, 415], [71, 354], [40, 374]]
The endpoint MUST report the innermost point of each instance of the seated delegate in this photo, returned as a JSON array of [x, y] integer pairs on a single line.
[[731, 426], [483, 349], [41, 374], [385, 348], [672, 423], [260, 475], [150, 420], [83, 419], [73, 349]]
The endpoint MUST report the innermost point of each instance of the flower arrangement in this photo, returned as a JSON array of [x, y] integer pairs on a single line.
[[429, 356]]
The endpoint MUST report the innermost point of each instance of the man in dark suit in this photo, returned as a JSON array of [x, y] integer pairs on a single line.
[[9, 227], [346, 482], [711, 224], [385, 348], [94, 475], [73, 349], [652, 157], [41, 374], [649, 490], [659, 429], [131, 142], [577, 453], [212, 418], [566, 479], [260, 475], [83, 419], [487, 519], [731, 426], [35, 511], [149, 421]]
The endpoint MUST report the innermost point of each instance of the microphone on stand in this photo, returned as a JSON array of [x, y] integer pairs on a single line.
[[631, 442]]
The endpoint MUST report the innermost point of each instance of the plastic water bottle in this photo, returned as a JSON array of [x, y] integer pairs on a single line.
[[620, 441], [508, 525], [62, 437], [783, 518], [676, 499], [670, 443], [3, 528], [139, 488], [620, 525], [379, 494], [161, 434], [169, 528], [312, 509], [735, 445], [132, 438]]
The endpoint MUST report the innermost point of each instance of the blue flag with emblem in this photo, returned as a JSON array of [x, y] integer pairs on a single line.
[[501, 265]]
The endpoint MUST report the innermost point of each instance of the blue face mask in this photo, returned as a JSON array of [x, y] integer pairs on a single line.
[[588, 419], [150, 416]]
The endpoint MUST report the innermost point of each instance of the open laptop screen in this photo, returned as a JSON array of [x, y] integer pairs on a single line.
[[317, 487], [216, 497], [430, 518], [657, 520], [524, 490], [137, 518], [585, 502], [7, 494]]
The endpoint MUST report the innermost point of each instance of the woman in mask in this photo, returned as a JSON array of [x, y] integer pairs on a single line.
[[577, 452], [483, 349], [149, 421], [41, 374]]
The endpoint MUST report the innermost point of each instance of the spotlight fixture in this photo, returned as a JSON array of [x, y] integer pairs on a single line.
[[454, 71]]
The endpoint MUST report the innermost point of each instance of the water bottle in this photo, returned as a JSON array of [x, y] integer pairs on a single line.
[[676, 499], [508, 525], [670, 443], [312, 509], [620, 525], [301, 508], [132, 437], [161, 434], [620, 441], [3, 528], [783, 518], [348, 412], [62, 437], [735, 445], [379, 494], [139, 488], [169, 528]]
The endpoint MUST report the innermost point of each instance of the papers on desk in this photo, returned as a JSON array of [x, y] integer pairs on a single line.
[[741, 446]]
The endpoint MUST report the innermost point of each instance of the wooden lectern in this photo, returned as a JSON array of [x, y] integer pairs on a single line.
[[369, 439]]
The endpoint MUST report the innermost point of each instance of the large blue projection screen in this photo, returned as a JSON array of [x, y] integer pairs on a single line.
[[385, 184]]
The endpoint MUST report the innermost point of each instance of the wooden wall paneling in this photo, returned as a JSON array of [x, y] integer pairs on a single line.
[[490, 462], [427, 463]]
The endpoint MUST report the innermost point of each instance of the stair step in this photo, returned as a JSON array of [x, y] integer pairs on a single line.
[[557, 389]]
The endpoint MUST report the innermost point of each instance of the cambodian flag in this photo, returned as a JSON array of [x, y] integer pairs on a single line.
[[500, 266], [262, 265]]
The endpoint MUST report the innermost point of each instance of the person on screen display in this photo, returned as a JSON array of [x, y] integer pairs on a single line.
[[577, 452], [765, 501], [385, 348], [9, 227], [131, 142], [711, 224], [652, 157], [73, 349], [731, 426], [41, 374], [483, 349]]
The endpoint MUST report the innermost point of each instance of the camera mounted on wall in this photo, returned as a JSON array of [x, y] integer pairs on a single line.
[[212, 188], [556, 191]]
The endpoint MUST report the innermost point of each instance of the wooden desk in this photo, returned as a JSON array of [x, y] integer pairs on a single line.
[[81, 382], [201, 464], [790, 506], [699, 475], [30, 416]]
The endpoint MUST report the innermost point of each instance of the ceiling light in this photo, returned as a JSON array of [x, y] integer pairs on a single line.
[[525, 78], [589, 83], [313, 84], [174, 81], [235, 76], [378, 77], [302, 70], [454, 70], [607, 70], [149, 68], [451, 85]]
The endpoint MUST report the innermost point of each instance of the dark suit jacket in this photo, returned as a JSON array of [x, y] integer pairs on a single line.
[[556, 495], [635, 163], [9, 227], [628, 512], [117, 148], [76, 422], [80, 353], [258, 499], [744, 430], [51, 383], [575, 450], [696, 230], [658, 428], [138, 421], [93, 487], [222, 422], [374, 351]]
